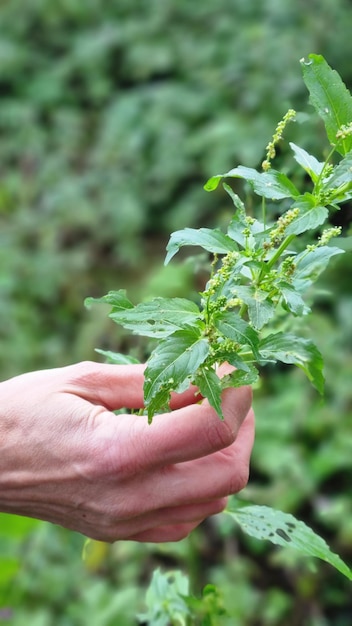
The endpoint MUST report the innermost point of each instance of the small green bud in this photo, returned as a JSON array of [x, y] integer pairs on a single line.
[[344, 131]]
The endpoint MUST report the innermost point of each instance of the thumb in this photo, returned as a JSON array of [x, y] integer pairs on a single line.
[[117, 386], [193, 431], [112, 386]]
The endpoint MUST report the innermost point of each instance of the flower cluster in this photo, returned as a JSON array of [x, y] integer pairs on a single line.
[[328, 234], [344, 131], [271, 147], [278, 233]]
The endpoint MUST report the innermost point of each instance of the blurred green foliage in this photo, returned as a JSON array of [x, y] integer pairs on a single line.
[[112, 116]]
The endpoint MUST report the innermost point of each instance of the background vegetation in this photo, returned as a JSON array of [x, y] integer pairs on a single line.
[[112, 116]]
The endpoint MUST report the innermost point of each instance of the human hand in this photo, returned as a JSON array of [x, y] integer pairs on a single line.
[[65, 457]]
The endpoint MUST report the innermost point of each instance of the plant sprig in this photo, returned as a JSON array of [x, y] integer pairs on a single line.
[[259, 278], [260, 273]]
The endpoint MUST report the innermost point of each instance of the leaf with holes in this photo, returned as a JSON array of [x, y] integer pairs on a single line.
[[283, 529]]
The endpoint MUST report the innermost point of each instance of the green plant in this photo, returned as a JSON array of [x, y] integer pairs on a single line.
[[262, 273], [169, 601], [128, 109], [259, 273]]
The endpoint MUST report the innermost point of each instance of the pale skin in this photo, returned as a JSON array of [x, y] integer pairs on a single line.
[[66, 458]]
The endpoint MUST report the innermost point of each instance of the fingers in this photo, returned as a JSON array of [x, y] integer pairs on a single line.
[[217, 475], [191, 432], [117, 386], [112, 386], [192, 482], [208, 478], [163, 534], [169, 518], [181, 435]]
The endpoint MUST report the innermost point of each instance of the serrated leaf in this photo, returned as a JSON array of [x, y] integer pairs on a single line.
[[234, 359], [117, 358], [309, 218], [310, 164], [235, 199], [311, 263], [272, 184], [284, 529], [238, 378], [294, 350], [159, 317], [166, 599], [214, 241], [238, 231], [117, 299], [342, 173], [330, 98], [292, 299], [232, 326], [209, 385], [260, 312], [171, 366], [260, 308]]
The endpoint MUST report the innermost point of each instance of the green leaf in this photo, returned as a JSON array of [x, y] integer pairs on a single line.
[[294, 350], [171, 367], [211, 240], [117, 358], [272, 184], [159, 317], [309, 218], [238, 231], [233, 358], [209, 385], [232, 326], [166, 599], [235, 199], [260, 308], [117, 299], [310, 164], [284, 529], [311, 263], [341, 174], [292, 299], [238, 378], [330, 98], [213, 182]]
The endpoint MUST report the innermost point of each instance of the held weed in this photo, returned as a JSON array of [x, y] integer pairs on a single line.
[[259, 287]]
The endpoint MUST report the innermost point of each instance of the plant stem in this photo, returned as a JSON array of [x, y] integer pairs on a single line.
[[243, 309], [317, 184], [275, 256], [264, 212]]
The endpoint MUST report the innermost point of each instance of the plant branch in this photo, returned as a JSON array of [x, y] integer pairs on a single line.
[[276, 256]]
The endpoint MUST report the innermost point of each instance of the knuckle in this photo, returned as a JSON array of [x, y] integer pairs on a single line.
[[180, 532], [82, 369], [240, 479], [220, 435], [218, 506]]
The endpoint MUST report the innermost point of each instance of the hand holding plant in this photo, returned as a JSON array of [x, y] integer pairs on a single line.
[[111, 478], [259, 288], [260, 273]]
